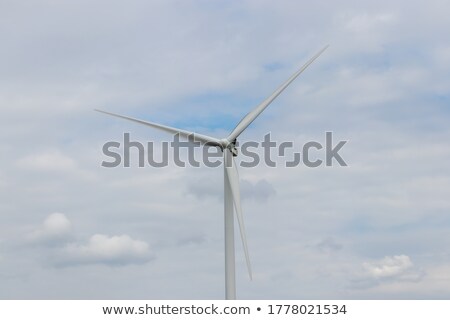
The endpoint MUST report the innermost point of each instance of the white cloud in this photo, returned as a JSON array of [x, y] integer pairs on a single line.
[[48, 161], [116, 250], [364, 22], [55, 227], [56, 233], [391, 271], [388, 266], [54, 163]]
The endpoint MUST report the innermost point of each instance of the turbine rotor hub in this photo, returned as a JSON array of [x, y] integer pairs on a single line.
[[225, 144]]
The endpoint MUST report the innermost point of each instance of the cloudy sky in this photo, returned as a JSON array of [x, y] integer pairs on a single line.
[[379, 228]]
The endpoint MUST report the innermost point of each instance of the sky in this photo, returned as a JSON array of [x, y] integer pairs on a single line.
[[376, 229]]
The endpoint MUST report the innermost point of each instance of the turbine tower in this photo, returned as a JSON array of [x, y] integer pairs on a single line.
[[232, 200]]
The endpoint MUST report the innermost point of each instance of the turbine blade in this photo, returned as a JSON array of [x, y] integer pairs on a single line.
[[252, 115], [233, 180], [183, 133]]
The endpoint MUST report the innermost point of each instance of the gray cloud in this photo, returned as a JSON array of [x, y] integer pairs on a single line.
[[192, 240], [329, 245], [261, 190], [383, 84]]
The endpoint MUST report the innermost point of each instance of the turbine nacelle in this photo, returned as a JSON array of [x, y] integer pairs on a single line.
[[226, 144]]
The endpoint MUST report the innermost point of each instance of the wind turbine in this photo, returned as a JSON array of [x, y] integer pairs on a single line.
[[231, 178]]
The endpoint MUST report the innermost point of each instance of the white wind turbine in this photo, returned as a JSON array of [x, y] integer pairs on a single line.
[[231, 178]]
